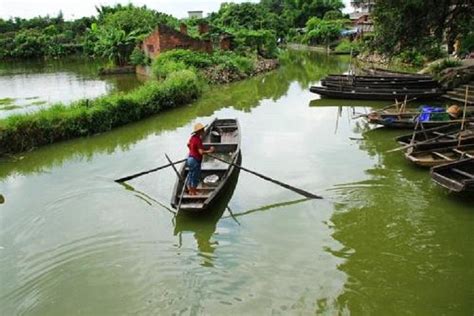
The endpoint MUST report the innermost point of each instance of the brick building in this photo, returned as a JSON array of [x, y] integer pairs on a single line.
[[165, 38]]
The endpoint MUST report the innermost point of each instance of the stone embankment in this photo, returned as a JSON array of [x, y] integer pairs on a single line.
[[456, 76]]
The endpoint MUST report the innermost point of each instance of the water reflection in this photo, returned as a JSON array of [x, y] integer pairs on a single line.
[[243, 96], [390, 227], [31, 85], [203, 225]]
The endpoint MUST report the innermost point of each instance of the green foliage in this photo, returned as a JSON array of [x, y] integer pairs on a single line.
[[467, 43], [262, 42], [179, 59], [41, 37], [436, 68], [346, 46], [163, 67], [120, 29], [113, 34], [82, 118], [138, 57], [333, 15], [401, 26], [297, 13], [413, 57], [249, 16], [323, 31]]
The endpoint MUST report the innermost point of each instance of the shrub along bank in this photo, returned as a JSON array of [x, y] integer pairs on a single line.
[[86, 117], [218, 67]]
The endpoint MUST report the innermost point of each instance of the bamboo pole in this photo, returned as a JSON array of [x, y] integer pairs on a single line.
[[463, 116]]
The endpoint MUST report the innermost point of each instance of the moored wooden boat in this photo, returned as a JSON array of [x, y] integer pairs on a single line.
[[439, 137], [439, 156], [385, 90], [375, 95], [456, 176], [419, 84], [224, 135], [379, 78], [386, 72], [409, 122]]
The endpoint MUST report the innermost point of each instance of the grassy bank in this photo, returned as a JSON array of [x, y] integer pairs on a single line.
[[87, 117]]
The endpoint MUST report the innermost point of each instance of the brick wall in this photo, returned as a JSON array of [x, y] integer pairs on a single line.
[[151, 44], [225, 43], [171, 39]]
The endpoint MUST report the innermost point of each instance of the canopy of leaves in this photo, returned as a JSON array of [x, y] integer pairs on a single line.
[[415, 24], [250, 16], [41, 36], [323, 31], [298, 12], [120, 28]]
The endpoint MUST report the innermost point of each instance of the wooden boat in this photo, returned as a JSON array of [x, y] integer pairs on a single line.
[[456, 176], [408, 122], [421, 84], [382, 90], [385, 72], [439, 156], [369, 95], [439, 137], [377, 78], [224, 135]]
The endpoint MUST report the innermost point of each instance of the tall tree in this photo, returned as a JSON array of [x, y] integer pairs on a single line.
[[405, 24]]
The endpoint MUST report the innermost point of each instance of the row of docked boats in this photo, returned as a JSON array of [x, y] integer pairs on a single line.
[[449, 152], [388, 86], [442, 139]]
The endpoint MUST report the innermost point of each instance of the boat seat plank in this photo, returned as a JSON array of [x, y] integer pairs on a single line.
[[445, 135], [463, 153], [463, 173], [442, 156], [196, 206], [199, 196]]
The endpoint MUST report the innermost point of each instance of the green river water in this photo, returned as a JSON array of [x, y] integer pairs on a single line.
[[385, 240]]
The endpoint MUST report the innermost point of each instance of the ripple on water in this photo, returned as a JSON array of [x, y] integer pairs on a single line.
[[41, 274]]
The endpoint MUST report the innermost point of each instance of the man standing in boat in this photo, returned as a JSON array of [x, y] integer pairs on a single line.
[[196, 151]]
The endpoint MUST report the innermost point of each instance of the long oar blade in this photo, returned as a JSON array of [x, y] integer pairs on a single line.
[[127, 178], [287, 186]]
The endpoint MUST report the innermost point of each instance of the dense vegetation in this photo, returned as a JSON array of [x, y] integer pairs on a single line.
[[180, 59], [115, 31], [42, 36], [415, 30]]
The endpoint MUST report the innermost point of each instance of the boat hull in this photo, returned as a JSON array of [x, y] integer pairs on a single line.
[[333, 93], [457, 176], [228, 148]]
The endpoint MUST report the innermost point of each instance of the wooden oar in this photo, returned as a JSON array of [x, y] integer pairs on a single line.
[[174, 168], [287, 186], [127, 178], [180, 180]]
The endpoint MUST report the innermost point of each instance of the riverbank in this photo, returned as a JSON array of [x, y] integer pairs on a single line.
[[25, 132]]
